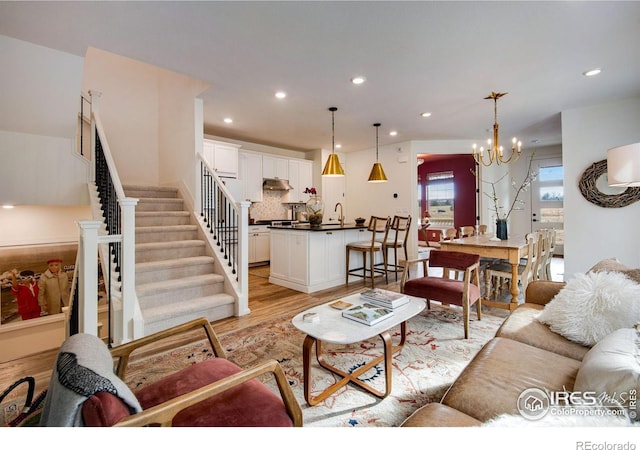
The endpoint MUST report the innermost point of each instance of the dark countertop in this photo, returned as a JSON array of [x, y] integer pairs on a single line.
[[323, 227]]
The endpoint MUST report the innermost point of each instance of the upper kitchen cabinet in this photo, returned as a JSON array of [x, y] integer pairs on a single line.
[[300, 178], [275, 167], [250, 173], [222, 157]]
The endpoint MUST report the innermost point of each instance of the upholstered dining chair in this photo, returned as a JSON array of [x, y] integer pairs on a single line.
[[442, 287], [88, 387], [379, 228], [397, 239], [497, 274]]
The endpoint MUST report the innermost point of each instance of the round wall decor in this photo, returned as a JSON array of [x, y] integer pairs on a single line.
[[592, 184]]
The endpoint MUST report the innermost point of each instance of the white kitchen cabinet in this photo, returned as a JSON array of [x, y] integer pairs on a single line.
[[222, 157], [328, 250], [275, 167], [289, 258], [300, 178], [259, 244], [310, 261], [250, 173]]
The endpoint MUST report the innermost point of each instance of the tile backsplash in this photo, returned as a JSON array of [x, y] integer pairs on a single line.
[[271, 206]]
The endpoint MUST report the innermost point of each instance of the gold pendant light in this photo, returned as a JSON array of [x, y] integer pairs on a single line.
[[332, 167], [494, 149], [377, 174]]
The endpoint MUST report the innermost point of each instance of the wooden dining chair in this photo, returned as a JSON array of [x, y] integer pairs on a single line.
[[467, 231], [397, 239], [379, 228], [444, 288], [498, 274]]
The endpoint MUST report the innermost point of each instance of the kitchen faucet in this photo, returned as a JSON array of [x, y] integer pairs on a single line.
[[341, 217]]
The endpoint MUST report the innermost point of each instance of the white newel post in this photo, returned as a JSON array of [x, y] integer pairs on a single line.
[[243, 259], [88, 279], [128, 268]]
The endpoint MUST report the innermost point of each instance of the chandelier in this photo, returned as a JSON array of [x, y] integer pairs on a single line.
[[494, 150]]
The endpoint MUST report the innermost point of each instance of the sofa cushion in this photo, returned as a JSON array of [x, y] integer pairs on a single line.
[[522, 326], [608, 265], [592, 305], [439, 415], [492, 382], [251, 404], [611, 369]]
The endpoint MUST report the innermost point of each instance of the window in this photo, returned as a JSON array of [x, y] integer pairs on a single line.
[[440, 195]]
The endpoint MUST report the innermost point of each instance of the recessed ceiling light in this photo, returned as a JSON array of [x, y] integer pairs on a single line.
[[393, 133], [425, 114], [358, 80], [8, 206], [592, 72], [281, 94], [338, 145], [228, 120]]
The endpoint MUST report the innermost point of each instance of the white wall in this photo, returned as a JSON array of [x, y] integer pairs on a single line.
[[32, 225], [41, 170], [39, 88], [40, 92], [591, 232], [129, 109]]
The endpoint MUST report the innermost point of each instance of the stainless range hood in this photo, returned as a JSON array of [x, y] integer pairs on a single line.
[[275, 184]]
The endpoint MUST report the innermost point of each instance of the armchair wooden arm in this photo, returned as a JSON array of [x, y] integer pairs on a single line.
[[123, 352]]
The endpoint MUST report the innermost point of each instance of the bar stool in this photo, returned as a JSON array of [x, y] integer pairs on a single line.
[[379, 228], [397, 238]]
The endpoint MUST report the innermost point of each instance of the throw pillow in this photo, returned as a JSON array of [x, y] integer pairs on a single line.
[[608, 265], [592, 305], [611, 369]]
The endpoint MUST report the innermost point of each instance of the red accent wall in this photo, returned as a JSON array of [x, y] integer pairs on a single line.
[[464, 208]]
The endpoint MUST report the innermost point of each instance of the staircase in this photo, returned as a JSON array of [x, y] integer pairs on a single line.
[[176, 277]]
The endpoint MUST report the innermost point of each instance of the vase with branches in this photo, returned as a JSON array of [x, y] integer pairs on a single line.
[[501, 212]]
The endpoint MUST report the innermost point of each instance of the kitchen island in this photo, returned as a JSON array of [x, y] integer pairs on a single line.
[[312, 258]]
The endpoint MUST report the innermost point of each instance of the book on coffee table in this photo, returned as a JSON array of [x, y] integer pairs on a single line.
[[367, 313], [382, 297]]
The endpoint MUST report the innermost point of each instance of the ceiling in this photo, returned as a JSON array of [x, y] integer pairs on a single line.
[[417, 56]]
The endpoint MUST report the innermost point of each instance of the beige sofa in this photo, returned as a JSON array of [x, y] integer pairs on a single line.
[[523, 354]]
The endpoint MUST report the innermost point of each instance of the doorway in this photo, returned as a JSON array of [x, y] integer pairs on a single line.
[[547, 198]]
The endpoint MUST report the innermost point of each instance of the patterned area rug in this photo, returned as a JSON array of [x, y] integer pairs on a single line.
[[434, 354]]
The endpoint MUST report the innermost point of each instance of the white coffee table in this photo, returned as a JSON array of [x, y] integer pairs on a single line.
[[335, 329]]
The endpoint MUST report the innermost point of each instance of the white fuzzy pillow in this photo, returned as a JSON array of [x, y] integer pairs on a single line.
[[592, 305]]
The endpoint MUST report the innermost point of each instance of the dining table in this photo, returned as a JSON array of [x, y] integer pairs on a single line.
[[511, 249]]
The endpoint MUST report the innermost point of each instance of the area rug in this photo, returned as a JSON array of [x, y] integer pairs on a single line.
[[434, 355]]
